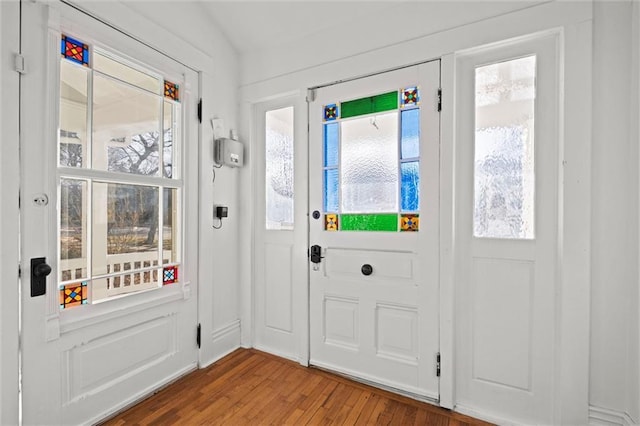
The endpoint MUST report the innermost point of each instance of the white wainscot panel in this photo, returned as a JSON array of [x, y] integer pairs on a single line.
[[397, 333], [341, 322], [105, 361], [502, 308], [393, 266], [278, 287]]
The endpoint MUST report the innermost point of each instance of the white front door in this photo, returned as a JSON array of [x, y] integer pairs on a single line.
[[374, 176], [108, 127]]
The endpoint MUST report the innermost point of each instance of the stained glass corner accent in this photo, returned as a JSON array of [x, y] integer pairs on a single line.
[[73, 295], [170, 275], [409, 222], [410, 96], [74, 50], [331, 222], [171, 91], [331, 112]]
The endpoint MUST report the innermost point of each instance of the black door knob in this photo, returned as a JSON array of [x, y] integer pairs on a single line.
[[366, 269], [41, 270]]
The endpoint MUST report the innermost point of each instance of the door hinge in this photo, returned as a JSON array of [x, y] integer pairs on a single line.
[[438, 364], [311, 95], [198, 335], [439, 100], [200, 110], [19, 65], [19, 271]]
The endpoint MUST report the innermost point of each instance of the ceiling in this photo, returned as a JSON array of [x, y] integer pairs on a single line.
[[255, 25], [252, 25]]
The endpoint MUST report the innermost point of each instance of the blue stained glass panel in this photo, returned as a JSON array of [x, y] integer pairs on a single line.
[[331, 190], [410, 186], [331, 135], [410, 133]]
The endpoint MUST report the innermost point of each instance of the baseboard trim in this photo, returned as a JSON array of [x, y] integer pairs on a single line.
[[281, 354], [141, 396], [483, 415], [225, 340], [599, 416]]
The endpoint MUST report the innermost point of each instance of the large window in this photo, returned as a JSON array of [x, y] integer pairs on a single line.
[[119, 182]]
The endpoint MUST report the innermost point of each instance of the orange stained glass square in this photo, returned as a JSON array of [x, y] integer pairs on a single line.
[[409, 222], [331, 222], [171, 91], [73, 295]]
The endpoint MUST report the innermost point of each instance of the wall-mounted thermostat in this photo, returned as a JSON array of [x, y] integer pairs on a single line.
[[229, 152]]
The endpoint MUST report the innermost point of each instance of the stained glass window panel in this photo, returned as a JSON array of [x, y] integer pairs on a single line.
[[369, 222], [279, 170], [331, 144], [73, 229], [410, 133], [409, 222], [74, 50], [369, 164], [331, 190], [410, 186], [504, 181], [331, 112], [169, 275], [369, 105], [73, 115], [71, 295], [331, 222], [410, 96], [171, 91]]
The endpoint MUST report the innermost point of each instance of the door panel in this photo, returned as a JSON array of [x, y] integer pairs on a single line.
[[507, 235], [374, 293], [83, 360]]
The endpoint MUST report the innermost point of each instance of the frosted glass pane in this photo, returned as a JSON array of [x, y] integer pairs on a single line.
[[279, 168], [331, 190], [331, 139], [410, 147], [504, 181], [369, 167], [410, 186]]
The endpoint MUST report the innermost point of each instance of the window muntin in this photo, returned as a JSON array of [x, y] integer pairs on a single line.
[[371, 163], [279, 169], [504, 165], [119, 219]]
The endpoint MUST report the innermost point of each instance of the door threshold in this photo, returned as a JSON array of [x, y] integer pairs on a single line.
[[397, 391]]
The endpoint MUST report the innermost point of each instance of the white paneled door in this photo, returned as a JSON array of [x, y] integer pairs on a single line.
[[108, 249], [374, 185]]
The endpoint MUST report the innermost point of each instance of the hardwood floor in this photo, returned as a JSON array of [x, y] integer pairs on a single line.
[[250, 387]]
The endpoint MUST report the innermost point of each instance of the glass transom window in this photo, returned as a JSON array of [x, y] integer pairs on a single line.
[[119, 148], [371, 163]]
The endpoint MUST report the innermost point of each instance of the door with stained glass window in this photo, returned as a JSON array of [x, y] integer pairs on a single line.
[[105, 186], [374, 167]]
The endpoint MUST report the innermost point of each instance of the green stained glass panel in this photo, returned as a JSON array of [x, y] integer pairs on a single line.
[[371, 104], [369, 222]]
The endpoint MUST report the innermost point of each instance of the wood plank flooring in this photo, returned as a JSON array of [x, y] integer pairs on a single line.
[[250, 387]]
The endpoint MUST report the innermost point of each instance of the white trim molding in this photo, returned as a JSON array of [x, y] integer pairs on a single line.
[[599, 416]]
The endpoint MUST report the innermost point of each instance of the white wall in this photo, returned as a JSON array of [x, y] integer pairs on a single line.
[[9, 36], [614, 320]]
